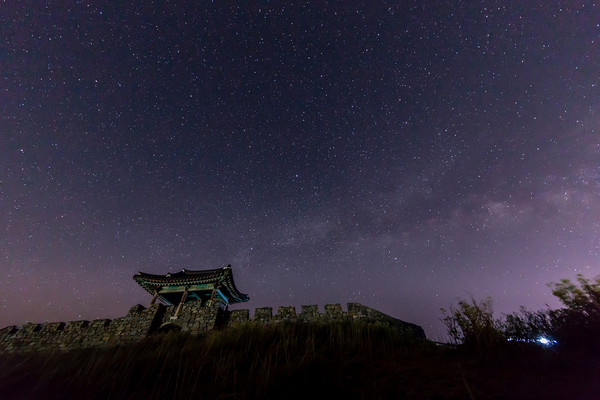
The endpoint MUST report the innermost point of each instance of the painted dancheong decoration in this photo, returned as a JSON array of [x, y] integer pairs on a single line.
[[193, 302]]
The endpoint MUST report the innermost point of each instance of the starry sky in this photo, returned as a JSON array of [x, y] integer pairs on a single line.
[[396, 154]]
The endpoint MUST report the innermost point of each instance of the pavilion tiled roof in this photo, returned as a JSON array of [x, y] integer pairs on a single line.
[[220, 277]]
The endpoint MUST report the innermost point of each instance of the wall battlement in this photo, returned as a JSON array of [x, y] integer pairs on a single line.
[[193, 318]]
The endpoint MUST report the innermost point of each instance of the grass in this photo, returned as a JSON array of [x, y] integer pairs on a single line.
[[294, 361]]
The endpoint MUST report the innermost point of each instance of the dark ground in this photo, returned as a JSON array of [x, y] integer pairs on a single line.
[[289, 362]]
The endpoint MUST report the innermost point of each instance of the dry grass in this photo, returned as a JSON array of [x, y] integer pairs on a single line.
[[354, 361]]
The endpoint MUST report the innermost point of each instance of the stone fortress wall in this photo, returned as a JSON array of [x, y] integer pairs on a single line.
[[193, 318]]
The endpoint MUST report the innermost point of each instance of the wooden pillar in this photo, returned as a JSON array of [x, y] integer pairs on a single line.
[[212, 295], [155, 297], [183, 297]]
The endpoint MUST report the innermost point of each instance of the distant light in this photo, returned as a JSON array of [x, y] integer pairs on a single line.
[[546, 341], [541, 340]]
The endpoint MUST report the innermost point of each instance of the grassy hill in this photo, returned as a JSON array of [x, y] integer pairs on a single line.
[[292, 361]]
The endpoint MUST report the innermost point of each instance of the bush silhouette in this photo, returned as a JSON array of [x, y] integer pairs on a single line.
[[472, 323], [577, 325], [528, 326]]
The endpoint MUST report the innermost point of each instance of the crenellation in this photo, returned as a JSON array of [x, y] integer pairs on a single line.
[[55, 326], [193, 318], [334, 312], [100, 323], [285, 313], [309, 314], [76, 325], [8, 332], [263, 314], [137, 309], [355, 311], [28, 329], [238, 317], [312, 310]]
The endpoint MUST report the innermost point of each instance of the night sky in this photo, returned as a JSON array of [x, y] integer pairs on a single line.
[[396, 154]]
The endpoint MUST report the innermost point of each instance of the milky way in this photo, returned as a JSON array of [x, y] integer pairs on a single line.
[[396, 155]]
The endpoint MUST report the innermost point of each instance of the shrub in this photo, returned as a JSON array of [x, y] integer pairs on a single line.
[[577, 325], [528, 326], [472, 323]]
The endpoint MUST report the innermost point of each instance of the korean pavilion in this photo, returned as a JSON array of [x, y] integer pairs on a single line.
[[186, 286]]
